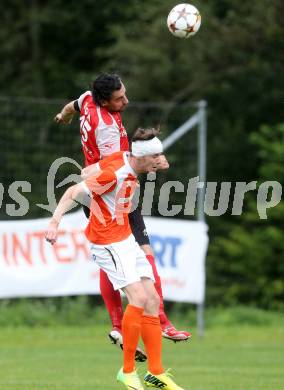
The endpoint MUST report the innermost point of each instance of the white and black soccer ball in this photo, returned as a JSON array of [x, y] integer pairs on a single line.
[[184, 20]]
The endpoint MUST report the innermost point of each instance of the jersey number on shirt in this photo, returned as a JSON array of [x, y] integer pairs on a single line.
[[85, 126]]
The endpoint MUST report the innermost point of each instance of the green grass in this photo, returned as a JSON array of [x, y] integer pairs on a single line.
[[229, 357]]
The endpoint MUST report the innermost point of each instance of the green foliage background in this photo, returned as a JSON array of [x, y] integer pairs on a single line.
[[53, 49]]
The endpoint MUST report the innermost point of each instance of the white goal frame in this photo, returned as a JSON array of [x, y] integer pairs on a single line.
[[199, 119]]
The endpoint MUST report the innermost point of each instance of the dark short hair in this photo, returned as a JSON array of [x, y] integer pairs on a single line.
[[145, 134], [104, 85]]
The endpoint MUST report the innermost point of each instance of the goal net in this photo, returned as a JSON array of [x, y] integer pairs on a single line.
[[31, 142]]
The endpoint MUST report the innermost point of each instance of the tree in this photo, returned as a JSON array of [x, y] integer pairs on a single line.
[[247, 265], [49, 48]]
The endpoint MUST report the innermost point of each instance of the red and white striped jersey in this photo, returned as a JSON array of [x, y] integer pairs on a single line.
[[102, 132], [111, 189]]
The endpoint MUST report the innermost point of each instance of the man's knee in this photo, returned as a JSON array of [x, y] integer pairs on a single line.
[[153, 302], [136, 296]]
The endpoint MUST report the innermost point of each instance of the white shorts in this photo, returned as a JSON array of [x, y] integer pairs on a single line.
[[124, 262]]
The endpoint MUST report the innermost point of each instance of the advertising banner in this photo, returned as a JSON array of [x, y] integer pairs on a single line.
[[31, 267]]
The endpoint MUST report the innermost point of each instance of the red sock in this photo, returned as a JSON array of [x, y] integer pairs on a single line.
[[131, 330], [152, 338], [112, 300], [162, 315]]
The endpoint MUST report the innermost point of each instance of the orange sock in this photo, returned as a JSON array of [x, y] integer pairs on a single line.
[[151, 333], [131, 330]]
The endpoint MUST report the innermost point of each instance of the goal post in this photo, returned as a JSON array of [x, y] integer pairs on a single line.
[[198, 119]]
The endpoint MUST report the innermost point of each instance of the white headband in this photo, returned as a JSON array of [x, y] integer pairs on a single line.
[[147, 148]]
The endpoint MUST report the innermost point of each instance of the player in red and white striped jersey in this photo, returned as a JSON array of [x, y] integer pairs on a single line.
[[102, 133]]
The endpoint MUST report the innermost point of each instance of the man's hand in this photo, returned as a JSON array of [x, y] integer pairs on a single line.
[[65, 119], [52, 232], [162, 162], [65, 116]]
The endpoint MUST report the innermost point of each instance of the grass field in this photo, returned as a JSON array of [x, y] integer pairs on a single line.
[[229, 357]]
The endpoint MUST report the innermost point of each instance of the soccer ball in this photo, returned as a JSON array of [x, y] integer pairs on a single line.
[[184, 20]]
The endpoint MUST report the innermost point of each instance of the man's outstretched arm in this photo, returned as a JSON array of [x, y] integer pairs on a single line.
[[65, 116], [70, 198]]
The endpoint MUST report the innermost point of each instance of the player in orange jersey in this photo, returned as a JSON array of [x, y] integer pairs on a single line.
[[115, 250], [102, 133]]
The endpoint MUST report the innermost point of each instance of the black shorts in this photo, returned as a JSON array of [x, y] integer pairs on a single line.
[[138, 227], [136, 223], [86, 211]]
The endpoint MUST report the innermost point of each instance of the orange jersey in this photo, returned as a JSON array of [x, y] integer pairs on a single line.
[[111, 189]]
